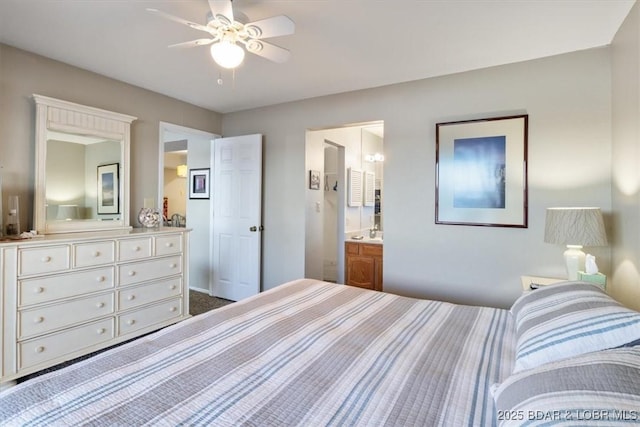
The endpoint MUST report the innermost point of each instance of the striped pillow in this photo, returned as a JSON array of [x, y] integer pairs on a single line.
[[569, 319], [601, 388]]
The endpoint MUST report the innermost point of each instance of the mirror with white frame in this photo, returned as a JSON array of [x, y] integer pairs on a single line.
[[82, 168]]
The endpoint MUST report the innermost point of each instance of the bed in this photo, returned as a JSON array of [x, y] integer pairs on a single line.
[[314, 353]]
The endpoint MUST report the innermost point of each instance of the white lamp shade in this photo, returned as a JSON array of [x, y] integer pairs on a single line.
[[181, 171], [575, 226], [227, 54], [67, 212]]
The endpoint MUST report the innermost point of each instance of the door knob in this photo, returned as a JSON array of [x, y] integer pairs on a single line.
[[254, 228]]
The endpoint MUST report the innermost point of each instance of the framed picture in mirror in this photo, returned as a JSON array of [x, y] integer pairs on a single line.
[[108, 189]]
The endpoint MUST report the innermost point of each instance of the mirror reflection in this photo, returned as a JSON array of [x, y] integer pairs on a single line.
[[82, 177], [372, 163]]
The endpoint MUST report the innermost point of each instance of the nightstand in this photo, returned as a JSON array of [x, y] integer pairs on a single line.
[[527, 281]]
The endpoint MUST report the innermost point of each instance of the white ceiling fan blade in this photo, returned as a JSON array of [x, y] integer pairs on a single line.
[[222, 9], [270, 27], [191, 24], [194, 43], [267, 50]]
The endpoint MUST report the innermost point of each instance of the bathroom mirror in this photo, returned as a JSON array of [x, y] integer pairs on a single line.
[[82, 168], [372, 146]]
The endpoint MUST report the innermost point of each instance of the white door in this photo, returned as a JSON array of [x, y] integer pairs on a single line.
[[237, 216]]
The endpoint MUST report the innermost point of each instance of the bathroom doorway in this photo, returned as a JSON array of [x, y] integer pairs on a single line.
[[329, 153]]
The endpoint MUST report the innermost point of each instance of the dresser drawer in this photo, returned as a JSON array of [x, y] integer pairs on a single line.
[[140, 295], [149, 270], [168, 245], [94, 253], [149, 316], [49, 288], [39, 350], [132, 249], [43, 260], [39, 320]]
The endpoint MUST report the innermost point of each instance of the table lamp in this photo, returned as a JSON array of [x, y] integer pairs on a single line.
[[67, 212], [575, 227]]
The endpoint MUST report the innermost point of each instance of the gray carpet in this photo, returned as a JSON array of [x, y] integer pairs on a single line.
[[199, 302]]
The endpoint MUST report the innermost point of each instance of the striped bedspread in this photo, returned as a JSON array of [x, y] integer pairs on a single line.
[[306, 353]]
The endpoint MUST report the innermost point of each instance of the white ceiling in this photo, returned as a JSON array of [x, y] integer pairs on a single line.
[[338, 46]]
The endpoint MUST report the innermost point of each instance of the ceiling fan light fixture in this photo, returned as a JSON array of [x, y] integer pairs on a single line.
[[227, 54]]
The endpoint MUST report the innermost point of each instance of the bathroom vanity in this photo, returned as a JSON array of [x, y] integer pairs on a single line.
[[363, 263]]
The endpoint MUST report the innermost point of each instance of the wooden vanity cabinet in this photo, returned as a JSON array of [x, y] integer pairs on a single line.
[[363, 264]]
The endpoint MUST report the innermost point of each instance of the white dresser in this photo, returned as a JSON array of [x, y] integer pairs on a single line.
[[67, 295]]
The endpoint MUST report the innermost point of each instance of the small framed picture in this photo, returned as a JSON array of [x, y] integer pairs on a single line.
[[199, 183], [108, 189], [314, 180]]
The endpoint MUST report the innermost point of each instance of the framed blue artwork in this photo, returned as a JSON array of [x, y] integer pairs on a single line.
[[481, 172]]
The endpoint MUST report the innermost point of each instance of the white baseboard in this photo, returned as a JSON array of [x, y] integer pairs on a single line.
[[203, 290]]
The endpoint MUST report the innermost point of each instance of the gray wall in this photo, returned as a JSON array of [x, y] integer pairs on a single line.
[[568, 99], [23, 74], [626, 160]]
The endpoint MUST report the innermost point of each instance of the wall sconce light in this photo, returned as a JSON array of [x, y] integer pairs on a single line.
[[377, 157], [575, 227], [181, 171]]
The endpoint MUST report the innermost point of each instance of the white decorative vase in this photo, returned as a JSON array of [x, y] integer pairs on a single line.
[[149, 218]]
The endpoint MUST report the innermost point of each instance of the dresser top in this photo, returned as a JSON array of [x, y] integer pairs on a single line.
[[93, 235]]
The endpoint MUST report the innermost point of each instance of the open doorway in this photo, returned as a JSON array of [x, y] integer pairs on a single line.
[[181, 150], [329, 153], [174, 197]]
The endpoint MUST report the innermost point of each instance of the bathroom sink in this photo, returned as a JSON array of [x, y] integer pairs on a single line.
[[367, 239]]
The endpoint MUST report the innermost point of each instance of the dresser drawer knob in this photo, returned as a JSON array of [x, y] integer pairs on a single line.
[[46, 259], [38, 319], [172, 287], [100, 305], [173, 309], [96, 254], [101, 331], [39, 349], [136, 248], [169, 244], [172, 265], [39, 290], [100, 279], [131, 273], [130, 322], [131, 297]]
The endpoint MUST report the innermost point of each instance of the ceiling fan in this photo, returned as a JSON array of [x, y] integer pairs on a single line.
[[227, 34]]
